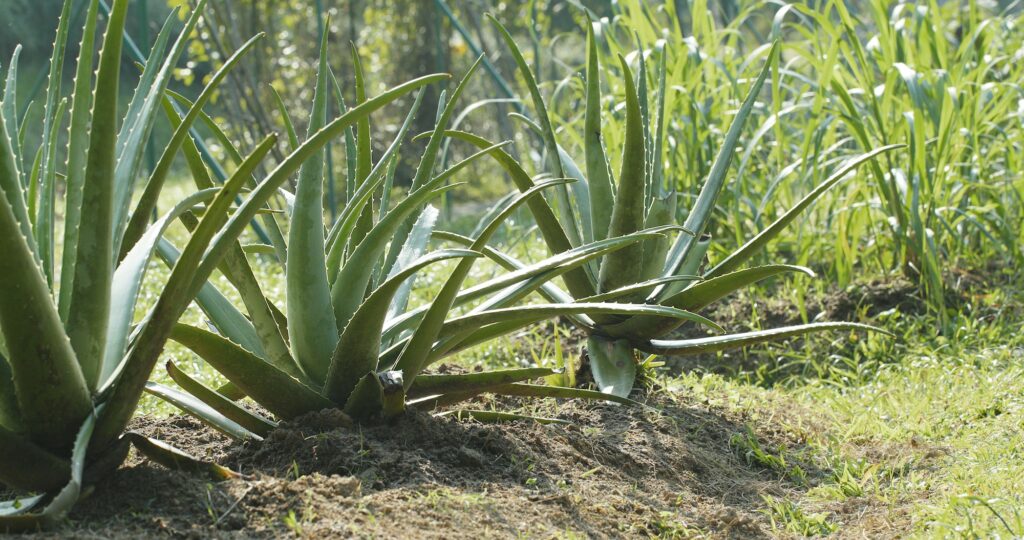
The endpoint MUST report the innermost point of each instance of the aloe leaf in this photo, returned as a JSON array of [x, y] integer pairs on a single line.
[[186, 279], [700, 214], [359, 346], [564, 204], [350, 286], [711, 344], [29, 467], [151, 194], [20, 506], [312, 333], [77, 155], [9, 112], [238, 271], [535, 390], [52, 116], [417, 351], [361, 196], [426, 385], [281, 394], [286, 119], [10, 183], [10, 412], [577, 281], [367, 399], [142, 114], [222, 314], [613, 364], [200, 410], [491, 417], [599, 176], [60, 505], [755, 244], [51, 390], [89, 312], [415, 247], [621, 268], [128, 280], [697, 297], [364, 152], [222, 404], [172, 458]]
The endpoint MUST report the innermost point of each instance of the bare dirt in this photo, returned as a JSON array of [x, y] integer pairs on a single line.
[[615, 472]]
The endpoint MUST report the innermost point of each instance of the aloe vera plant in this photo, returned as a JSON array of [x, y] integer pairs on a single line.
[[601, 205], [348, 338], [73, 366]]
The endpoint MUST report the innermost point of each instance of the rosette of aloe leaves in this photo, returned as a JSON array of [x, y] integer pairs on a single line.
[[600, 205], [347, 338], [73, 361]]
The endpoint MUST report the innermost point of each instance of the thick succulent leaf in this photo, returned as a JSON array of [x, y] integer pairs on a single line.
[[534, 390], [9, 114], [622, 267], [281, 394], [599, 175], [691, 266], [142, 115], [186, 278], [126, 385], [128, 280], [61, 503], [20, 506], [697, 297], [77, 153], [364, 151], [221, 313], [492, 417], [312, 323], [51, 390], [172, 458], [736, 341], [367, 399], [224, 405], [426, 385], [29, 467], [359, 346], [350, 286], [10, 184], [10, 412], [613, 364], [578, 282], [151, 194], [52, 119], [632, 289], [198, 409], [361, 196], [569, 221], [414, 248], [89, 313], [416, 353], [748, 250], [700, 213]]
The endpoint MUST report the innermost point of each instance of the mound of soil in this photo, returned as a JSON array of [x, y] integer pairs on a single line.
[[615, 472]]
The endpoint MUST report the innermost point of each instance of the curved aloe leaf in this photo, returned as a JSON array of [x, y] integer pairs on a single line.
[[144, 208], [599, 175], [359, 346], [700, 214], [534, 390], [490, 417], [89, 313], [577, 281], [697, 297], [172, 458], [613, 364], [77, 154], [281, 394], [220, 403], [195, 407], [312, 333], [737, 341], [29, 467], [426, 385], [128, 280], [622, 267], [51, 390], [755, 244]]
